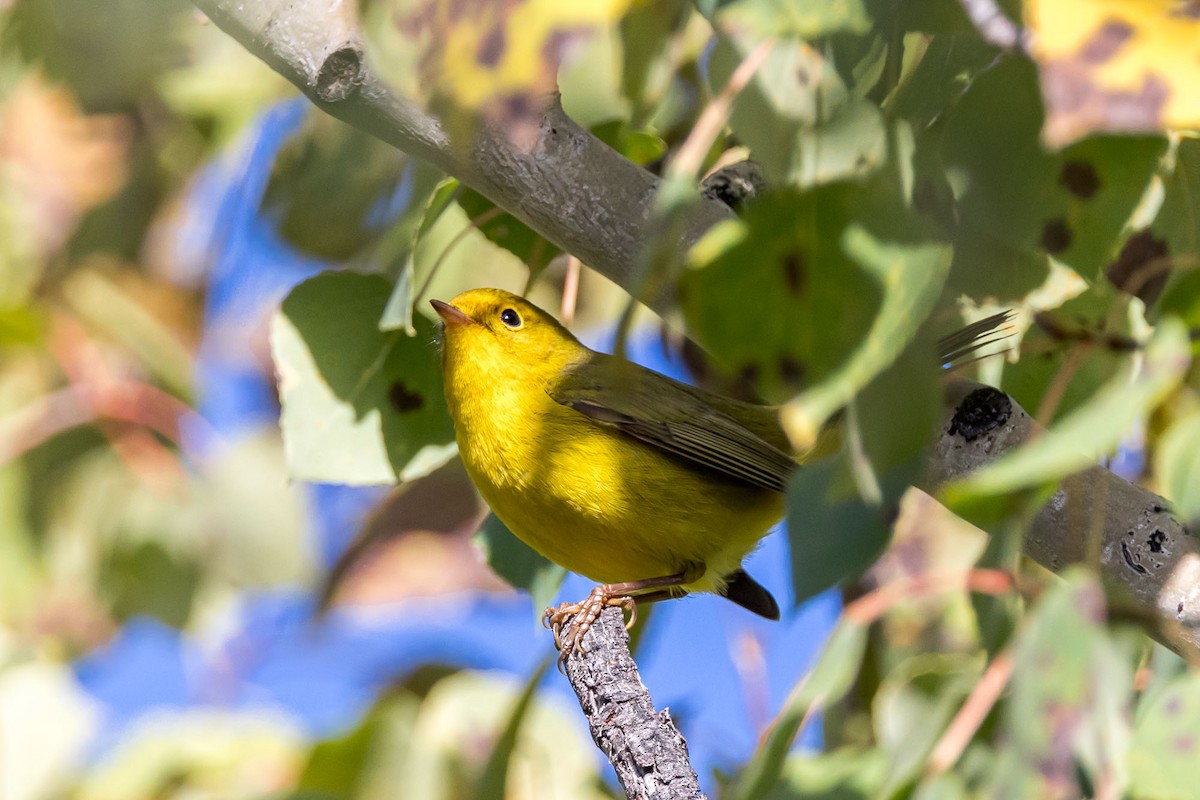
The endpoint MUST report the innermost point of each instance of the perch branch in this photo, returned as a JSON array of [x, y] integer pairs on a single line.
[[566, 184], [645, 748]]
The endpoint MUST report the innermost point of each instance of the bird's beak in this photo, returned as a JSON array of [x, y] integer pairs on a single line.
[[450, 315]]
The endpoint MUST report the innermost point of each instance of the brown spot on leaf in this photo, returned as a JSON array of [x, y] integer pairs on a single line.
[[1056, 236], [1106, 41], [749, 374], [491, 49], [1186, 9], [791, 370], [404, 399], [1142, 267], [794, 271], [1080, 179]]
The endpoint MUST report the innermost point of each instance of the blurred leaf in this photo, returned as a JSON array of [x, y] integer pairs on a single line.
[[101, 50], [775, 296], [910, 275], [802, 19], [646, 31], [494, 61], [1001, 179], [493, 783], [836, 532], [336, 767], [359, 406], [912, 707], [20, 325], [947, 66], [1177, 466], [1095, 429], [1103, 179], [845, 774], [395, 254], [105, 306], [640, 147], [174, 753], [825, 684], [507, 231], [20, 570], [1045, 356], [145, 579], [334, 188], [1164, 756], [1177, 219], [797, 117], [1110, 66], [518, 563], [1068, 706]]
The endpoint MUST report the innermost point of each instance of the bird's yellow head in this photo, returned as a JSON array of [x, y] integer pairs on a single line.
[[494, 334]]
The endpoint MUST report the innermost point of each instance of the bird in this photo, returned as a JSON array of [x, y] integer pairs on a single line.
[[650, 487]]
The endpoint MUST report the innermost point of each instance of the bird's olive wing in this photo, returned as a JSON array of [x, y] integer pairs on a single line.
[[655, 411]]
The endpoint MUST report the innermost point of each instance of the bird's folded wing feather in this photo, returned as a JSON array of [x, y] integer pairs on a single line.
[[666, 415]]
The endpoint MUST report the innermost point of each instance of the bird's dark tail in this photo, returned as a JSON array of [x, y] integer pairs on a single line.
[[750, 594]]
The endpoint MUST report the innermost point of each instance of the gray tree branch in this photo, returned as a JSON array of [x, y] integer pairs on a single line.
[[1148, 558], [566, 184]]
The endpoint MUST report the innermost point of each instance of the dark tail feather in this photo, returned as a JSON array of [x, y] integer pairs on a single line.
[[750, 594]]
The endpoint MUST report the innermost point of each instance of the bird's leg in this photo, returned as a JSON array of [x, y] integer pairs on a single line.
[[582, 615]]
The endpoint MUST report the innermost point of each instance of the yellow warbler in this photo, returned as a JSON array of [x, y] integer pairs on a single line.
[[644, 484], [651, 487]]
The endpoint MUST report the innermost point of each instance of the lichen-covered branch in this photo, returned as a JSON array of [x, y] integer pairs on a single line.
[[1146, 556], [565, 184], [645, 748]]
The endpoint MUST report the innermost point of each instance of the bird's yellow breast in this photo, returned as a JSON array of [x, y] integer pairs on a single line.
[[595, 500]]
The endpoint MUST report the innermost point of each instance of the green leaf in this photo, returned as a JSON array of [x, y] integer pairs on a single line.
[[494, 780], [100, 301], [518, 563], [849, 773], [331, 187], [1045, 357], [824, 685], [775, 296], [505, 230], [359, 406], [910, 276], [1100, 182], [396, 253], [1164, 756], [836, 532], [1092, 431], [802, 19], [1068, 705], [912, 707], [1178, 219], [799, 120], [1177, 466], [1002, 179], [145, 578]]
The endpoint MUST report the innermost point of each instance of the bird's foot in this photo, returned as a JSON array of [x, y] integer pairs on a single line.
[[570, 621]]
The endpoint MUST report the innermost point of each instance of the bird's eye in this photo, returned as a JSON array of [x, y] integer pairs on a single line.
[[510, 318]]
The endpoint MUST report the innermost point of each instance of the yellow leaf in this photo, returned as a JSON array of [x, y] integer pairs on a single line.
[[1116, 65]]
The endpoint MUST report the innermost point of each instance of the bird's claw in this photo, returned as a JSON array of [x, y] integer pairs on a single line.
[[571, 621]]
